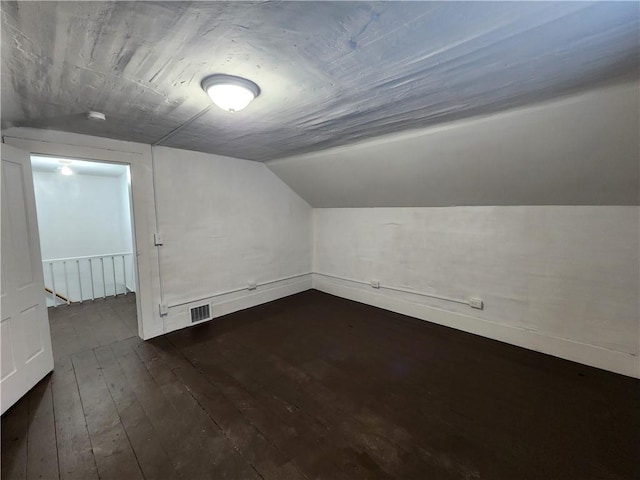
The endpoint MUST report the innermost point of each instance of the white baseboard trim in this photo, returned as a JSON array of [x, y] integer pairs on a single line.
[[611, 360], [179, 316]]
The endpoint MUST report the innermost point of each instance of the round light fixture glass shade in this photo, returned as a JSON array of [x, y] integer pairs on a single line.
[[230, 93]]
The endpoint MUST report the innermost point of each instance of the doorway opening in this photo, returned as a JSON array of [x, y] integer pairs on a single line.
[[85, 223]]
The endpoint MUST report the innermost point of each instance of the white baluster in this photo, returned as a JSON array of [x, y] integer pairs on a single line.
[[93, 291], [53, 286], [124, 274], [104, 282], [113, 265], [66, 281], [79, 279]]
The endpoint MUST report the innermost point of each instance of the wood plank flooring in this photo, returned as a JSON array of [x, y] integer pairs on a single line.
[[89, 325], [313, 387]]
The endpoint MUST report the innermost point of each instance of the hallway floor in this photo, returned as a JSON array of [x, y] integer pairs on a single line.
[[313, 386], [79, 327]]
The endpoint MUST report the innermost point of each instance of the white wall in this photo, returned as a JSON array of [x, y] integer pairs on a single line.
[[81, 215], [561, 280], [558, 279], [126, 211], [84, 215], [227, 222], [138, 157]]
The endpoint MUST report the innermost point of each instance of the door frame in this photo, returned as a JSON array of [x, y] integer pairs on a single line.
[[139, 158], [132, 221]]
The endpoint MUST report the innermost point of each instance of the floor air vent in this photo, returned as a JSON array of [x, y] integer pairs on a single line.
[[200, 313]]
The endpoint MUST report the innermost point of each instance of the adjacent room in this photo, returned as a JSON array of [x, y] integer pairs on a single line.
[[86, 242], [320, 240]]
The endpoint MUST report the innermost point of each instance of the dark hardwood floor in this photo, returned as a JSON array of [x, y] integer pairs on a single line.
[[313, 386], [81, 327]]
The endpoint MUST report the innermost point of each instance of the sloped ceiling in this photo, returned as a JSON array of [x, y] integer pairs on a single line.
[[331, 73], [582, 149]]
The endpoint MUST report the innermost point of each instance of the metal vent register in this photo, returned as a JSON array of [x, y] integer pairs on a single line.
[[200, 313]]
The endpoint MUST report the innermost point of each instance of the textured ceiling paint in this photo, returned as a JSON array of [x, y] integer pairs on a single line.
[[331, 73]]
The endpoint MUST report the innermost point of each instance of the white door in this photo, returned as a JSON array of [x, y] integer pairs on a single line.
[[25, 340]]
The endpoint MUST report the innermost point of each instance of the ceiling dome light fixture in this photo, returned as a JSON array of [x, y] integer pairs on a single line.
[[93, 115], [230, 93]]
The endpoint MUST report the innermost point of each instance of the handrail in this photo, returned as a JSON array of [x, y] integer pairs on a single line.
[[56, 294], [88, 256], [82, 278]]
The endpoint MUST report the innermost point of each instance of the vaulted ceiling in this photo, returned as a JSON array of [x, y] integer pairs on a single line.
[[331, 73]]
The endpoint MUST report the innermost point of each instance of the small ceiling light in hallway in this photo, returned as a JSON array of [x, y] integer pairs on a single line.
[[64, 169], [230, 93]]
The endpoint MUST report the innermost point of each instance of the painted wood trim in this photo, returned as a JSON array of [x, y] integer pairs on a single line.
[[138, 157], [178, 317]]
